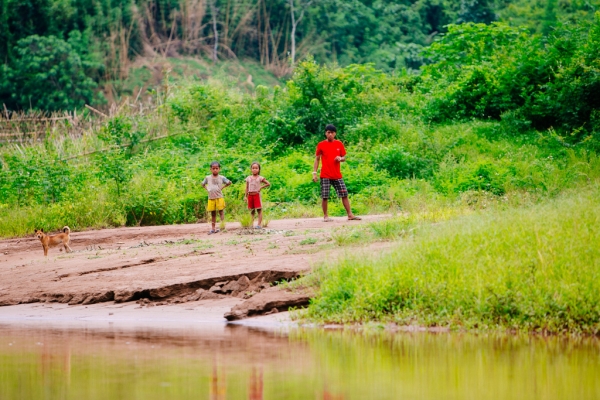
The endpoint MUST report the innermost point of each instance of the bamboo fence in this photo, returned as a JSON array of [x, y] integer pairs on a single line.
[[34, 126]]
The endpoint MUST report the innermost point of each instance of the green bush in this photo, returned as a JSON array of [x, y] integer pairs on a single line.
[[457, 177], [48, 74], [317, 96], [400, 163], [486, 71], [35, 177]]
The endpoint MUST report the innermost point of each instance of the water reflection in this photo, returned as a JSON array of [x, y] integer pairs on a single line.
[[255, 387], [218, 387], [234, 362]]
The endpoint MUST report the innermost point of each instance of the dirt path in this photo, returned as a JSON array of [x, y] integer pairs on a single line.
[[164, 264]]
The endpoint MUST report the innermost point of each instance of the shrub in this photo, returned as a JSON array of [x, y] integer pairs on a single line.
[[399, 163], [457, 177], [486, 71], [48, 74], [321, 95]]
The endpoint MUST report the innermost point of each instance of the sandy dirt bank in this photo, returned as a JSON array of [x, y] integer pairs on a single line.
[[158, 272]]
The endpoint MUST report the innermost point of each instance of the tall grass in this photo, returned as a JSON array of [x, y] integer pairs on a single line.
[[91, 208], [246, 220], [144, 164], [531, 268]]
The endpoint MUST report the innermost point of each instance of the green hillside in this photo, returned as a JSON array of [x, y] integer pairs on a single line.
[[480, 155], [63, 54]]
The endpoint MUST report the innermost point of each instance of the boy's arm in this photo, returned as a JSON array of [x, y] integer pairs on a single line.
[[204, 183], [226, 182], [316, 167], [342, 156], [246, 194]]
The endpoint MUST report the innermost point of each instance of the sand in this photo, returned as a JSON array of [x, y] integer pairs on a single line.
[[151, 275]]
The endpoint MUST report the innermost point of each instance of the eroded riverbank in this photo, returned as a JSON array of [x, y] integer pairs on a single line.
[[168, 265]]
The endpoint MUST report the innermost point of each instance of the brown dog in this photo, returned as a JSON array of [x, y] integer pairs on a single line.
[[53, 240]]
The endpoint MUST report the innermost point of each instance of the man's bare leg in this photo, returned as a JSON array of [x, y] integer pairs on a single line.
[[324, 207], [346, 204]]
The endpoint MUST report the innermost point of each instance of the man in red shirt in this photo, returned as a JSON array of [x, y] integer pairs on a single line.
[[333, 153]]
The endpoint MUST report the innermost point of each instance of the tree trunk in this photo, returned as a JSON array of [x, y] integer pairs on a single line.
[[293, 33], [214, 11], [295, 22]]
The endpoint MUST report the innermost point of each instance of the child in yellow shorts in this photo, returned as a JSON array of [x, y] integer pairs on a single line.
[[214, 184]]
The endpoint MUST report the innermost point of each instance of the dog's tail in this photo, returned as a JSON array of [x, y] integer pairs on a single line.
[[66, 229]]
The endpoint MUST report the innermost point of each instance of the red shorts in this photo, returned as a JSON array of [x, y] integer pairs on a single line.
[[254, 202]]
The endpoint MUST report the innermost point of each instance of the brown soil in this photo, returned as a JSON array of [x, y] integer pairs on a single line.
[[164, 265]]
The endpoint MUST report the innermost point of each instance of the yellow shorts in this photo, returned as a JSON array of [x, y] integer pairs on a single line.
[[216, 204]]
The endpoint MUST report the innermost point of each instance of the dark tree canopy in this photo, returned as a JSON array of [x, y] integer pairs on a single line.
[[96, 40]]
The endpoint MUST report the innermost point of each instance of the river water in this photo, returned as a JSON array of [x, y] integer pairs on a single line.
[[238, 362]]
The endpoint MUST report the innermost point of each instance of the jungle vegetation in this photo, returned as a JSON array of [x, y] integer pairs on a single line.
[[63, 54], [487, 153]]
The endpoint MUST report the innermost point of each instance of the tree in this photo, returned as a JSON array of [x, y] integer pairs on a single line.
[[5, 34], [303, 6], [48, 74], [550, 18], [478, 11], [214, 11]]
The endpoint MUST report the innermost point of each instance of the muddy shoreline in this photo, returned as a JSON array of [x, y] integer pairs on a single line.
[[165, 267]]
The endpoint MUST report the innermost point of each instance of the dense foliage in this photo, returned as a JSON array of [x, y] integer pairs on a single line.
[[49, 74], [91, 44], [409, 137], [497, 72], [499, 118]]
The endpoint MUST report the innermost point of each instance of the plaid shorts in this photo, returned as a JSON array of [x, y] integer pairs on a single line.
[[338, 184]]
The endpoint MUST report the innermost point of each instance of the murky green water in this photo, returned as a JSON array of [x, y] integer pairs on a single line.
[[229, 362]]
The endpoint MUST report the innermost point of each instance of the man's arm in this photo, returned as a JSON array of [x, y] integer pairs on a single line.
[[316, 167], [342, 157]]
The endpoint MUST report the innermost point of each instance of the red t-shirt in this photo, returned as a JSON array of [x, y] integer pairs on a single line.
[[328, 152]]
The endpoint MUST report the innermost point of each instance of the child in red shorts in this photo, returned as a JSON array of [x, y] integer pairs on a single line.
[[254, 184]]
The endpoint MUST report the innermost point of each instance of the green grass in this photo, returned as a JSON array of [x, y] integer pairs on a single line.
[[246, 220], [143, 74], [84, 211], [348, 236], [308, 241], [534, 268], [203, 245], [266, 221]]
